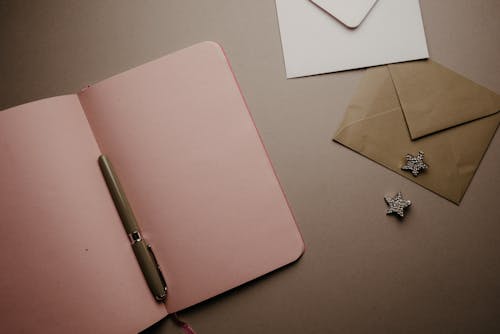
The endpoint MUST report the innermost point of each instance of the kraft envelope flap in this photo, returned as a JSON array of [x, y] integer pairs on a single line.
[[350, 12], [374, 126], [435, 98]]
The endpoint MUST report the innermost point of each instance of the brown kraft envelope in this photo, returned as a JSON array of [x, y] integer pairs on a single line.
[[422, 106]]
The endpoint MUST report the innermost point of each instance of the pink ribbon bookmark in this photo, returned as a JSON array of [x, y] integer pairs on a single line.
[[185, 327]]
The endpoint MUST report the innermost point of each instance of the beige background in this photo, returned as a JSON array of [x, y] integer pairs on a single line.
[[363, 272]]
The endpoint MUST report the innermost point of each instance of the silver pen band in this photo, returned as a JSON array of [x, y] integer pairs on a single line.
[[134, 237]]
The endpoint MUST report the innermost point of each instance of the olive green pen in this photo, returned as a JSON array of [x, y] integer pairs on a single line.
[[142, 250]]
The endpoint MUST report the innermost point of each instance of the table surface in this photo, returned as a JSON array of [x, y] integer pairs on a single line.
[[363, 271]]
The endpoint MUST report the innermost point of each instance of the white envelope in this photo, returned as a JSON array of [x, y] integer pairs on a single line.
[[316, 38]]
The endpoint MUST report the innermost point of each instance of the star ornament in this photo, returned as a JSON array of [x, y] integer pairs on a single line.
[[397, 204], [415, 164]]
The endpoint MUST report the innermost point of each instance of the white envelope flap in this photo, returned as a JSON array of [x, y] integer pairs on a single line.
[[349, 12]]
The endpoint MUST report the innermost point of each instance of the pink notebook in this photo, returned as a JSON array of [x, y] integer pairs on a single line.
[[196, 174]]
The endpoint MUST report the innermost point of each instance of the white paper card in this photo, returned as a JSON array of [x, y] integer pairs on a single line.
[[314, 42]]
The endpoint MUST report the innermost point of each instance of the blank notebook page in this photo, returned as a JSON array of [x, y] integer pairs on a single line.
[[196, 173], [67, 264]]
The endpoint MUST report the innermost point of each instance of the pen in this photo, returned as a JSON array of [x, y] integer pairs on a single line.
[[142, 250]]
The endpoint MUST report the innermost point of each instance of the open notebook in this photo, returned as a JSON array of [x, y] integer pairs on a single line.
[[196, 174]]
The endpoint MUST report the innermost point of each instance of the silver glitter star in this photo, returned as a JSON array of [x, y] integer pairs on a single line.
[[397, 204], [415, 164]]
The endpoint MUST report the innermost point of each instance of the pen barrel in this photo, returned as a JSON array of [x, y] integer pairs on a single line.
[[143, 252], [150, 269], [120, 200]]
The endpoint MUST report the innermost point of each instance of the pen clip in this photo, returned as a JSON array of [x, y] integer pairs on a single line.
[[160, 274]]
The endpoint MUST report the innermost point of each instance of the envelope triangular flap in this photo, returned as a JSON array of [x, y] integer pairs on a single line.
[[349, 12], [375, 95], [434, 98]]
